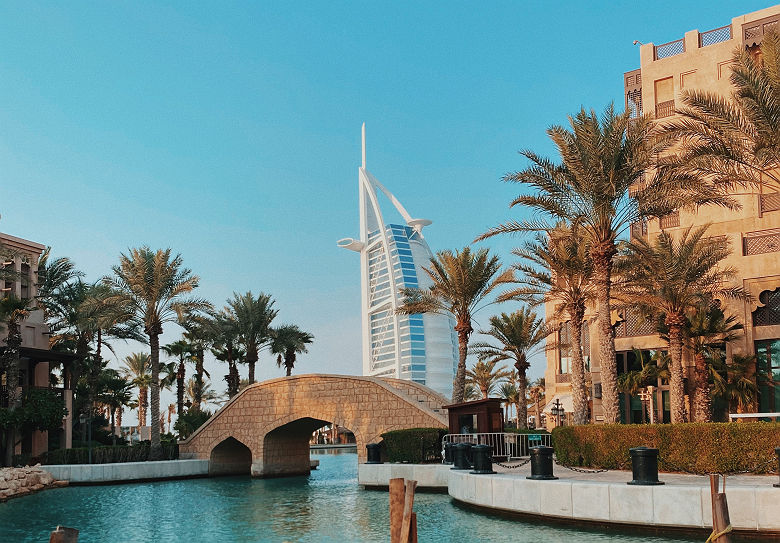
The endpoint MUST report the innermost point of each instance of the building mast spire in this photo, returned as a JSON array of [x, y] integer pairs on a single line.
[[364, 146]]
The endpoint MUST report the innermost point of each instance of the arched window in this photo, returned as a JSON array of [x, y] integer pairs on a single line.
[[769, 313]]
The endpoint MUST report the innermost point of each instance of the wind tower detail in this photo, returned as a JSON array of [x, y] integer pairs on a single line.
[[421, 348]]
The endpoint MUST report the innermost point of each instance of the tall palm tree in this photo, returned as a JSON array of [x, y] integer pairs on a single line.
[[732, 140], [707, 329], [208, 395], [13, 311], [137, 367], [520, 334], [150, 286], [508, 393], [198, 334], [484, 375], [557, 269], [182, 350], [536, 396], [673, 278], [287, 342], [115, 393], [601, 159], [461, 281], [253, 318], [226, 347], [53, 275]]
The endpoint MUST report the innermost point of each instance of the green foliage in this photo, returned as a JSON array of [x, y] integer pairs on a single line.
[[190, 421], [108, 455], [41, 409], [415, 445], [696, 447]]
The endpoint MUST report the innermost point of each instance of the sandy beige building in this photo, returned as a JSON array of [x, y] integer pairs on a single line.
[[22, 257], [699, 60]]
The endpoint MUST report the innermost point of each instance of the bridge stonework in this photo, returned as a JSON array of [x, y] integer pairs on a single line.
[[268, 425]]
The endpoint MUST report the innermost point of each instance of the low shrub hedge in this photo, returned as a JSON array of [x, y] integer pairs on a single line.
[[726, 447], [108, 455], [415, 445]]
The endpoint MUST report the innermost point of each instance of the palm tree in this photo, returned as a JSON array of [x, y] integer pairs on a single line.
[[461, 281], [558, 270], [520, 334], [137, 367], [470, 393], [13, 311], [484, 375], [734, 382], [182, 350], [226, 347], [198, 334], [600, 161], [115, 393], [253, 318], [708, 328], [208, 395], [673, 278], [150, 286], [734, 140], [287, 342], [536, 395], [53, 275], [508, 392]]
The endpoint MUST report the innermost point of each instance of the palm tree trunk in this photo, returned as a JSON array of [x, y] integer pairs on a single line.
[[459, 385], [676, 385], [11, 354], [289, 361], [538, 421], [113, 427], [602, 276], [522, 407], [517, 410], [197, 393], [701, 397], [155, 450], [180, 388], [579, 391], [251, 360]]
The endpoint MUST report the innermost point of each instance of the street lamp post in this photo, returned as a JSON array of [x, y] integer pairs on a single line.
[[557, 411]]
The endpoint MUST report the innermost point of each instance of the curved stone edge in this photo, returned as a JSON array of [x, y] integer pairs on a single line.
[[18, 482], [752, 509]]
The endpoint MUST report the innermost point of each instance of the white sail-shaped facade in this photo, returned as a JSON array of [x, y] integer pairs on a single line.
[[421, 348]]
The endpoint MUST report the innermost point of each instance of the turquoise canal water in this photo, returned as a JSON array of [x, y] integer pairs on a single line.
[[327, 506]]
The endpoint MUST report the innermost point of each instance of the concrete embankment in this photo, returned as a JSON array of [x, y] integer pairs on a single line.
[[129, 471], [15, 482], [682, 503]]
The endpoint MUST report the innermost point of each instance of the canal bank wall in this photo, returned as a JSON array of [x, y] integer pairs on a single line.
[[682, 503], [90, 474]]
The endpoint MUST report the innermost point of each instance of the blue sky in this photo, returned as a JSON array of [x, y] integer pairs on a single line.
[[231, 131]]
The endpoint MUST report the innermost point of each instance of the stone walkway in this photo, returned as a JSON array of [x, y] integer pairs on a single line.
[[617, 476]]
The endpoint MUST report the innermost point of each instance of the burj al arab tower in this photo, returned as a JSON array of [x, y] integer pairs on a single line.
[[421, 348]]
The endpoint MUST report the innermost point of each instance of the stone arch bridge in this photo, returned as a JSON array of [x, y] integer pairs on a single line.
[[265, 429]]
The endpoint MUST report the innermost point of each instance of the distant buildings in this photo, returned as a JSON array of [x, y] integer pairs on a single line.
[[700, 60], [421, 348]]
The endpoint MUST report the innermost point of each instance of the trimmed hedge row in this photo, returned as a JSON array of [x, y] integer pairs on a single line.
[[415, 445], [726, 447], [108, 455]]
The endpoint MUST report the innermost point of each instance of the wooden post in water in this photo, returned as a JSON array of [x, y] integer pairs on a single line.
[[403, 521], [396, 509], [721, 525], [407, 520], [64, 535]]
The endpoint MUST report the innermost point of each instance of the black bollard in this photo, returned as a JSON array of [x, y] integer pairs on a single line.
[[483, 462], [374, 451], [460, 452], [448, 452], [541, 463], [644, 466], [777, 452]]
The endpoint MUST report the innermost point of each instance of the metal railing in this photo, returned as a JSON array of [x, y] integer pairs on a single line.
[[733, 416], [664, 109], [504, 445]]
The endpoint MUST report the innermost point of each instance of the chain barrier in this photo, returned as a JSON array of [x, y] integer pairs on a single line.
[[512, 466], [579, 470]]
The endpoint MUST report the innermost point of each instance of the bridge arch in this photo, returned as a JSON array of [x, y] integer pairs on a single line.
[[275, 419]]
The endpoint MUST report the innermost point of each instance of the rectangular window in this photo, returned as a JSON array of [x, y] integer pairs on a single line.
[[768, 361]]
